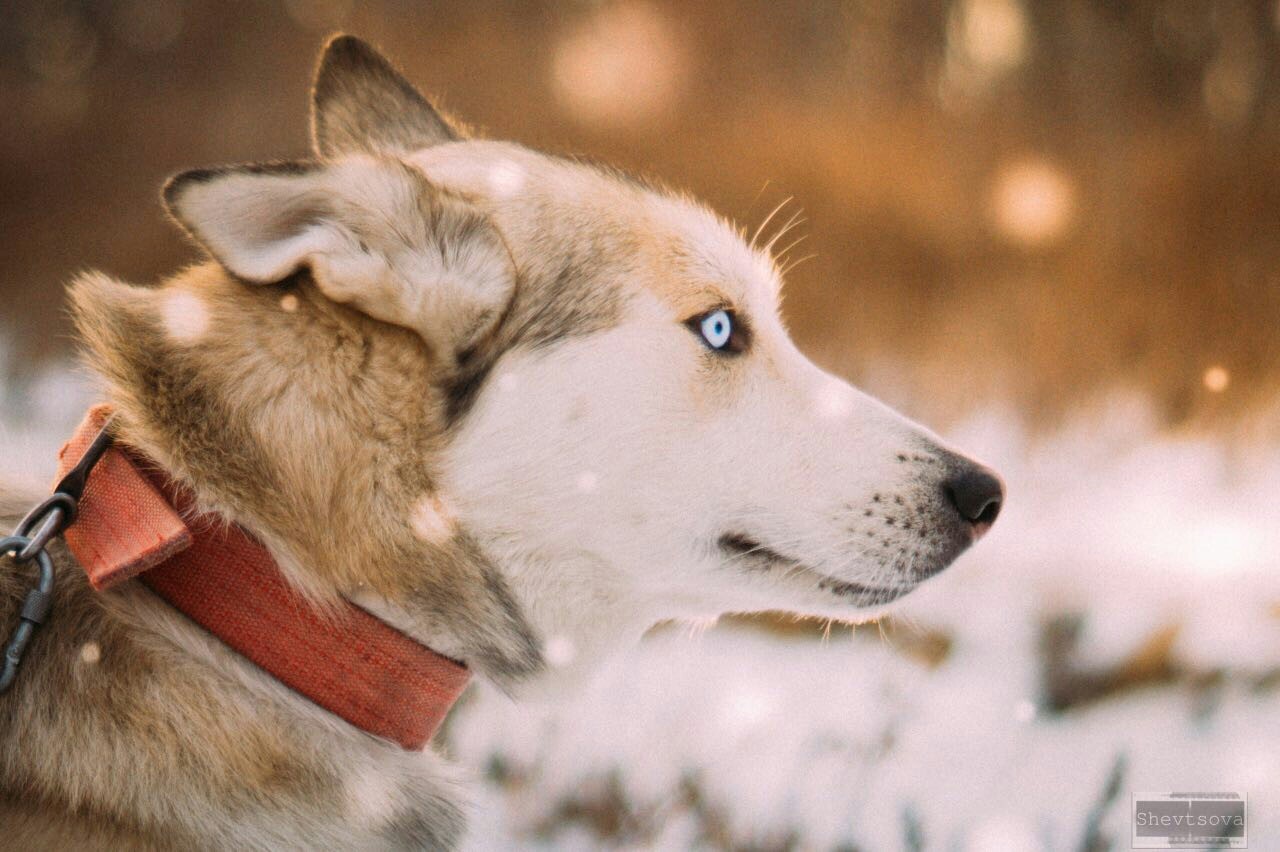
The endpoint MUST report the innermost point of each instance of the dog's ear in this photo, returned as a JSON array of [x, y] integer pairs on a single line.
[[361, 104], [374, 234]]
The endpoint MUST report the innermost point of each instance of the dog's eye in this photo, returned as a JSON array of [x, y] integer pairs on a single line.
[[720, 330], [717, 328]]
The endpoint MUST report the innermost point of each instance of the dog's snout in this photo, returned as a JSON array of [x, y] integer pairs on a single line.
[[976, 493]]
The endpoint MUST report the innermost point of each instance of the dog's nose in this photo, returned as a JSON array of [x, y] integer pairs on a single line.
[[976, 493]]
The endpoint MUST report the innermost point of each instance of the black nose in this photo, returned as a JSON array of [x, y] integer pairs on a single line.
[[977, 494]]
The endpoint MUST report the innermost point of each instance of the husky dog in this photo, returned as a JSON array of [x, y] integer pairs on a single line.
[[500, 398]]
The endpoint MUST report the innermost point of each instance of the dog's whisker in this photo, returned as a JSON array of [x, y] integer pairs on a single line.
[[782, 253], [797, 219], [786, 270], [759, 193], [767, 219]]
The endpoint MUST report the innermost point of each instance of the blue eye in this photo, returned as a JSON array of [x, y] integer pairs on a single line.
[[717, 328]]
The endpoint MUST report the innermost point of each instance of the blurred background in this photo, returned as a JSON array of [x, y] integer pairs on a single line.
[[1048, 228]]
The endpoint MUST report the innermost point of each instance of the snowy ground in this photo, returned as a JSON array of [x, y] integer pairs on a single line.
[[1119, 631]]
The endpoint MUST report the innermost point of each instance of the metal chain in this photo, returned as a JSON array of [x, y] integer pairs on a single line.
[[45, 522]]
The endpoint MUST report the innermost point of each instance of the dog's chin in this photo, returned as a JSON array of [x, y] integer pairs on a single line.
[[752, 556]]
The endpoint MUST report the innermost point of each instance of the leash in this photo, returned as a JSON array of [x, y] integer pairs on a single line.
[[49, 519]]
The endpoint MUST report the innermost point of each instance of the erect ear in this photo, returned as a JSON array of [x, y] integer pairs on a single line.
[[374, 233], [361, 104]]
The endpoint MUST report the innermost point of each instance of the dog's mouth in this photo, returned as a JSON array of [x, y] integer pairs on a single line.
[[757, 556]]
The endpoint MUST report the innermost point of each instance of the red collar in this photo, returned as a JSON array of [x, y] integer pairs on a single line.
[[134, 521]]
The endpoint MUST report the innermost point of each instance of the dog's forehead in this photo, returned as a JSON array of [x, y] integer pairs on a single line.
[[704, 258], [689, 257]]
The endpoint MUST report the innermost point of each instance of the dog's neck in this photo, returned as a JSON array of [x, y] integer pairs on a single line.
[[139, 523]]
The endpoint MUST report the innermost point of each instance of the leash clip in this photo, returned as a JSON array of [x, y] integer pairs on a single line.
[[35, 607], [48, 520]]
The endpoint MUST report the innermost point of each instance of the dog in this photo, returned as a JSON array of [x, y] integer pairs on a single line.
[[503, 400]]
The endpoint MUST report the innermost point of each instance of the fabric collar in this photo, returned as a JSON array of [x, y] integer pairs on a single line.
[[135, 521]]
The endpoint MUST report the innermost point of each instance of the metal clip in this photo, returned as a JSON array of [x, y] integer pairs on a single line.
[[35, 608]]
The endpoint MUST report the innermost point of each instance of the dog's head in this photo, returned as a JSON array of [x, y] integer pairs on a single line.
[[468, 353]]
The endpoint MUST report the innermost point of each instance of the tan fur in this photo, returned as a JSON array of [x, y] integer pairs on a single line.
[[50, 827]]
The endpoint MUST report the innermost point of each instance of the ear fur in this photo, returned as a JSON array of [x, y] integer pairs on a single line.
[[374, 233], [361, 104], [262, 221]]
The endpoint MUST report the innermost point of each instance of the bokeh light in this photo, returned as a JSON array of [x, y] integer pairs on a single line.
[[619, 67], [1216, 379], [985, 40], [1032, 202]]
